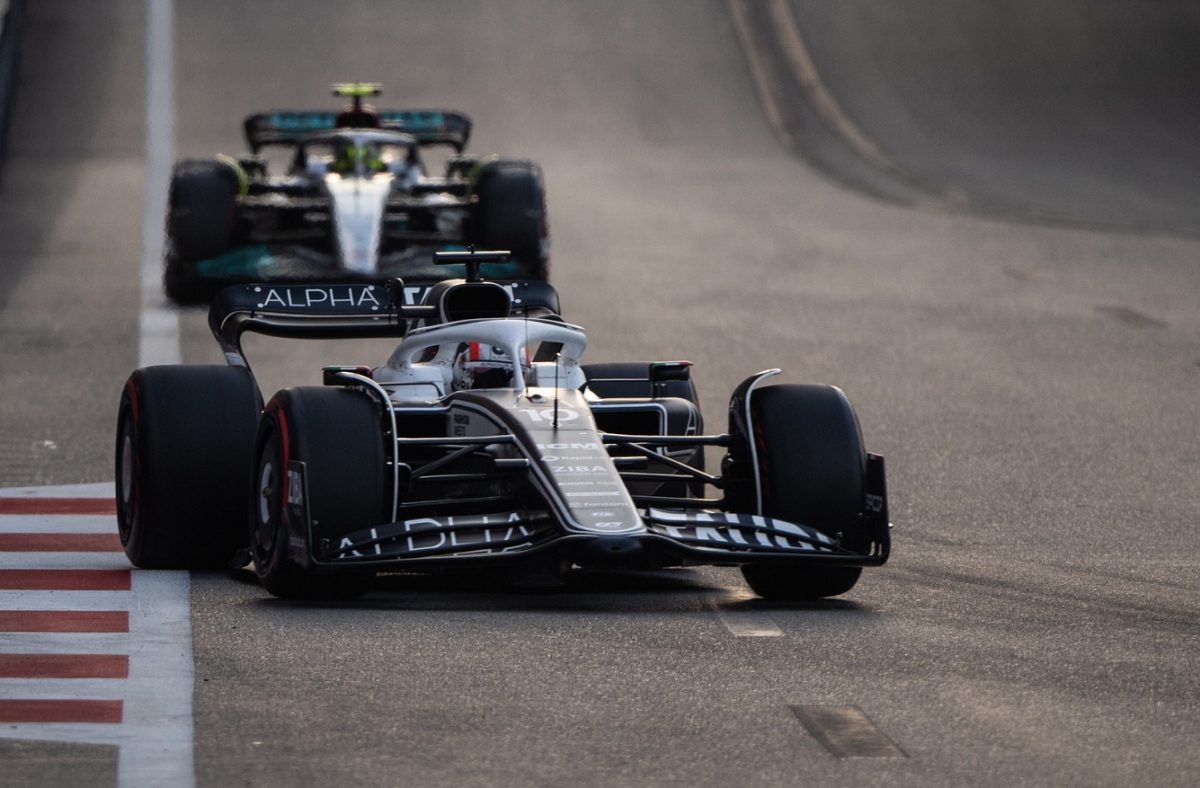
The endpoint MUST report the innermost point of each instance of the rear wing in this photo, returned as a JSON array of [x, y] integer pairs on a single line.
[[289, 127], [343, 310]]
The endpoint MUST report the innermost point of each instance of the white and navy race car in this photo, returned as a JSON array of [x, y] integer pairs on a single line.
[[483, 443], [356, 201]]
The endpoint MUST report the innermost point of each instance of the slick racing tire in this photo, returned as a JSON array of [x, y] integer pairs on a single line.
[[201, 220], [185, 436], [510, 213], [330, 442], [813, 469], [202, 207]]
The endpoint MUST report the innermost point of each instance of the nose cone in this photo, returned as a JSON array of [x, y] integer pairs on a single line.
[[358, 208], [622, 551]]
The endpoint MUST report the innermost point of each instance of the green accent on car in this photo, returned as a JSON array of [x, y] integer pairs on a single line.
[[238, 170], [357, 89], [246, 261]]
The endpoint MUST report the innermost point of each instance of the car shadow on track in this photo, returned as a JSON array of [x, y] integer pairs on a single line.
[[663, 590]]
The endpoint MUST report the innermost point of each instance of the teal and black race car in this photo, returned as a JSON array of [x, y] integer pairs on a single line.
[[355, 203]]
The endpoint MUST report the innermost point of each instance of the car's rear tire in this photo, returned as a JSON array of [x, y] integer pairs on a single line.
[[510, 213], [185, 438], [201, 222], [813, 470], [336, 434]]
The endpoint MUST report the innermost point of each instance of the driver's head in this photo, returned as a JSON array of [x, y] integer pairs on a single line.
[[357, 157], [480, 366]]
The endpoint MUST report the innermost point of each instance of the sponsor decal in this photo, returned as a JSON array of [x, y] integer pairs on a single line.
[[301, 121], [319, 121], [415, 121], [415, 294], [736, 530], [330, 298], [470, 534], [585, 464]]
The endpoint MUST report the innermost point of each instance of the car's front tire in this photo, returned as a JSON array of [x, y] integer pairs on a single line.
[[812, 467], [335, 436]]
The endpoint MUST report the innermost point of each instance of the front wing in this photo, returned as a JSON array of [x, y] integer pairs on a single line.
[[670, 537]]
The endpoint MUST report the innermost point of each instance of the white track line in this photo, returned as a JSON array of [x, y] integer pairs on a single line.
[[158, 706], [745, 623], [158, 703], [158, 324]]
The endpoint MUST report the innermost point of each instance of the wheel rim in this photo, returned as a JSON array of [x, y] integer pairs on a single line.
[[267, 504], [126, 483], [266, 492], [127, 469]]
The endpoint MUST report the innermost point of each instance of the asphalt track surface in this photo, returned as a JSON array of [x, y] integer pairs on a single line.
[[982, 225]]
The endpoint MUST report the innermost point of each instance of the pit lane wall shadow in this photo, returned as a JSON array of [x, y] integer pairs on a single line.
[[1071, 112], [67, 103], [12, 14]]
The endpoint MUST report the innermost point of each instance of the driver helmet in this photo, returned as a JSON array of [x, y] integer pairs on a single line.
[[480, 366], [355, 157]]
